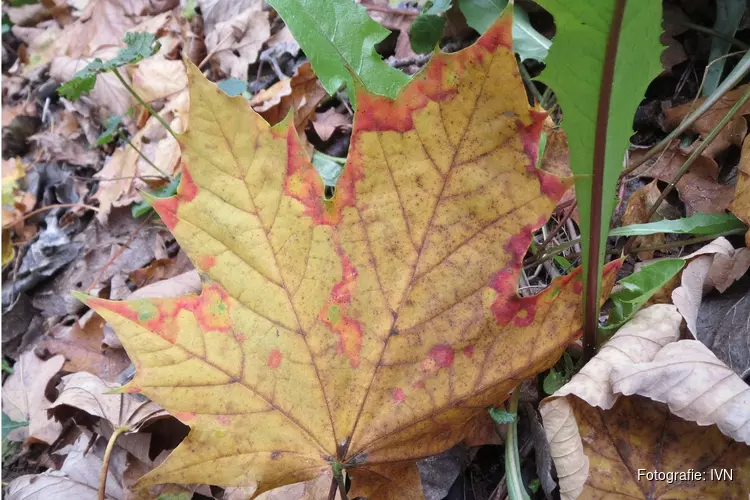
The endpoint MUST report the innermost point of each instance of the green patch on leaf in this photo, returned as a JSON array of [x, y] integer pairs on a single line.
[[695, 224], [233, 86], [11, 425], [113, 125], [637, 289], [139, 45], [502, 416], [142, 208]]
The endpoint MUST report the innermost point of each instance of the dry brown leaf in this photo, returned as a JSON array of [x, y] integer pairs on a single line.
[[733, 133], [78, 478], [389, 481], [24, 398], [236, 42], [303, 92], [326, 123], [716, 265], [81, 344], [699, 188], [639, 206], [598, 439], [88, 393], [41, 42], [695, 385], [217, 11], [740, 206]]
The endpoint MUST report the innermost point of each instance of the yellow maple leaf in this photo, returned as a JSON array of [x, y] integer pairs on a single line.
[[365, 330]]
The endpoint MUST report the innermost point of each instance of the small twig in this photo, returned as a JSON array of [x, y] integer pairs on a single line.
[[332, 490], [119, 252], [691, 159], [743, 66], [526, 77], [49, 207], [143, 103], [105, 460], [712, 32], [216, 49], [690, 241], [708, 66], [140, 153], [557, 228]]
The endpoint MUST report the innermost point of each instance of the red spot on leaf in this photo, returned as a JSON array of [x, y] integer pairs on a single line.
[[550, 185], [500, 34], [133, 389], [211, 308], [399, 396], [335, 313], [206, 262], [274, 359], [468, 351], [184, 416], [223, 419], [442, 355], [167, 207], [419, 384]]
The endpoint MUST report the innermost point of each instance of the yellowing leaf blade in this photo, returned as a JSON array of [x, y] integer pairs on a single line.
[[369, 329]]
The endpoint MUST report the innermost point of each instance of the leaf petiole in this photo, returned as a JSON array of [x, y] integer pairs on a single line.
[[143, 103], [105, 461]]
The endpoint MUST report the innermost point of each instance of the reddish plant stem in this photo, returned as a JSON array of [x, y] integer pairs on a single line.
[[50, 207], [591, 304]]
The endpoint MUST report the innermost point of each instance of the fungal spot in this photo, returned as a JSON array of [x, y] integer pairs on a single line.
[[468, 351], [442, 355], [223, 419], [399, 396], [274, 359], [275, 455], [394, 331]]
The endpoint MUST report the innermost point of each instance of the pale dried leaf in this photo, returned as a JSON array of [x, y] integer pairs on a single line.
[[24, 397], [155, 78], [236, 43], [695, 385], [565, 446]]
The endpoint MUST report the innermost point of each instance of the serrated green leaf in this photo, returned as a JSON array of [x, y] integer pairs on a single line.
[[425, 33], [695, 224], [10, 425], [574, 71], [527, 42], [139, 45], [339, 38], [232, 86], [637, 289], [111, 131], [502, 416]]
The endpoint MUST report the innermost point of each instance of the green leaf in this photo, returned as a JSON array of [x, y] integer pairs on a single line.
[[142, 208], [427, 29], [637, 289], [339, 39], [502, 416], [574, 71], [564, 263], [10, 425], [328, 167], [188, 11], [695, 224], [527, 42], [111, 131], [553, 381], [7, 368], [728, 16], [139, 45], [534, 485], [233, 86]]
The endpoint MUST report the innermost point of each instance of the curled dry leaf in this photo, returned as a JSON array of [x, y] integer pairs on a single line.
[[326, 123], [639, 206], [24, 395], [234, 44], [303, 92], [81, 344], [86, 392], [599, 439], [740, 206], [733, 133], [326, 334], [716, 265], [699, 188]]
